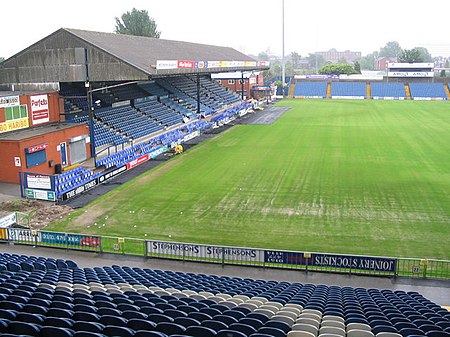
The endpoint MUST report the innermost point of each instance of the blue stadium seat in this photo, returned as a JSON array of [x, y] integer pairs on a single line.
[[427, 90], [310, 89], [230, 333], [348, 89], [22, 328], [200, 331], [118, 331], [52, 331]]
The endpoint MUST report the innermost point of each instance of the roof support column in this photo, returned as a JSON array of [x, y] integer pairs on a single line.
[[198, 94], [242, 85], [90, 107]]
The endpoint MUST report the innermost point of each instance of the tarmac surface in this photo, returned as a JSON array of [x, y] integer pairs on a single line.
[[437, 291]]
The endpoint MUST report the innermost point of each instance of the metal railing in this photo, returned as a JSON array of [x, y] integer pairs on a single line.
[[225, 255]]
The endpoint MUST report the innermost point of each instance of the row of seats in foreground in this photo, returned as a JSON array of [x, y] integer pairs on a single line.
[[124, 301], [16, 263]]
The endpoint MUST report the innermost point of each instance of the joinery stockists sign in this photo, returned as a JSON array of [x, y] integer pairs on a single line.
[[381, 264], [188, 250], [378, 264]]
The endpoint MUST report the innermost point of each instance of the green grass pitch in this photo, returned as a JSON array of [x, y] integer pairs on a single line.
[[356, 177]]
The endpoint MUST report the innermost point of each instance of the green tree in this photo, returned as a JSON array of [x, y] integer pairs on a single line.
[[337, 69], [424, 54], [138, 23], [288, 68], [295, 58], [357, 67], [263, 56], [410, 56], [315, 61], [2, 59], [368, 62], [443, 74], [391, 49]]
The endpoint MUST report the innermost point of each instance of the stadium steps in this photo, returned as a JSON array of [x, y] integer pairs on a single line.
[[368, 91], [291, 90], [447, 90], [328, 90], [407, 91]]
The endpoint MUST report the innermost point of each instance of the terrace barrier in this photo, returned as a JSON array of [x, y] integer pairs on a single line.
[[226, 255]]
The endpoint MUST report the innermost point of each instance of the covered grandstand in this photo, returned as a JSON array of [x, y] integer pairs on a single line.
[[126, 89]]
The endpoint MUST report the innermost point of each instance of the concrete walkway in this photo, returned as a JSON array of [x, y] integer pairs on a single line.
[[9, 191], [437, 291]]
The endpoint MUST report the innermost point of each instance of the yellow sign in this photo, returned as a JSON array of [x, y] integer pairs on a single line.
[[15, 124], [307, 255], [121, 240]]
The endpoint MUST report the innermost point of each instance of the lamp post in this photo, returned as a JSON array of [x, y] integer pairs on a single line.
[[283, 67]]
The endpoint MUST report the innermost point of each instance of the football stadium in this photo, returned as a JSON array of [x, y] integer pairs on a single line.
[[197, 211]]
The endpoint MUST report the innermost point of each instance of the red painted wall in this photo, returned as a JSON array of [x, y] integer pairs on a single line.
[[237, 86], [9, 150]]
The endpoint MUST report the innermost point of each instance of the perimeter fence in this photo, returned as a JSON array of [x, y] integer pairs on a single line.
[[226, 255]]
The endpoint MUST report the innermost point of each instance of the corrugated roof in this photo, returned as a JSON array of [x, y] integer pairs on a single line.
[[143, 52]]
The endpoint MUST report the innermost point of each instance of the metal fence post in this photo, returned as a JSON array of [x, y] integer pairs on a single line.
[[223, 257]]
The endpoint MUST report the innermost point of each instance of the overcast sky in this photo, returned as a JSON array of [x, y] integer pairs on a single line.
[[250, 26]]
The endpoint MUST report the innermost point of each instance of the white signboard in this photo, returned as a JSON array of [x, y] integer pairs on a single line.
[[9, 101], [8, 220], [39, 109], [19, 234], [410, 74], [166, 64], [39, 182], [188, 250]]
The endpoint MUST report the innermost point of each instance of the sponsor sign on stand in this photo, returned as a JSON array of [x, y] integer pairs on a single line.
[[201, 64], [15, 124], [39, 109], [9, 101], [40, 194], [186, 251], [27, 235], [39, 181], [158, 151], [80, 189], [7, 220], [283, 257], [378, 264], [182, 64], [410, 74], [347, 97], [138, 161], [77, 240]]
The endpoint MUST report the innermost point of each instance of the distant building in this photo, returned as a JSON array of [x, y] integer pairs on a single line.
[[381, 63], [233, 81], [335, 56]]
